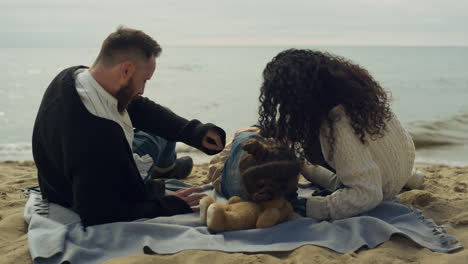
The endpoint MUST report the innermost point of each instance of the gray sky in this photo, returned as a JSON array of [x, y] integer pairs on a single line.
[[85, 23]]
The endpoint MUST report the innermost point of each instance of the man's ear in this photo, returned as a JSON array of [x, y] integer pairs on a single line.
[[127, 69]]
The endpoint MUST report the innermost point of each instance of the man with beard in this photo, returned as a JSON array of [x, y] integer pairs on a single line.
[[97, 142]]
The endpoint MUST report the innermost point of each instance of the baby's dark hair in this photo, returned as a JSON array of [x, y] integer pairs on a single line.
[[269, 169]]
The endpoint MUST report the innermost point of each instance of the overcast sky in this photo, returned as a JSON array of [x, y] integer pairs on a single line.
[[85, 23]]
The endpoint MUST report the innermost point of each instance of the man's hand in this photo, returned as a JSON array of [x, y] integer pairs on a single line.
[[191, 196], [248, 129], [212, 140]]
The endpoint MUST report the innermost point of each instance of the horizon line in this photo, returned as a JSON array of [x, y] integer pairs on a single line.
[[259, 46]]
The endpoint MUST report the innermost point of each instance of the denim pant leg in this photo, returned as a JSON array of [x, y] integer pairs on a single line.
[[161, 150], [231, 181]]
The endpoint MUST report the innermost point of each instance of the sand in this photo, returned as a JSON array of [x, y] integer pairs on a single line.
[[444, 199]]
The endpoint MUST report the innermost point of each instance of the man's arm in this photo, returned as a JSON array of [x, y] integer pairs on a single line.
[[159, 120]]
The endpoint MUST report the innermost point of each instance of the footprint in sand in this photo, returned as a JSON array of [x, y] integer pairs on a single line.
[[461, 219], [460, 187], [417, 198]]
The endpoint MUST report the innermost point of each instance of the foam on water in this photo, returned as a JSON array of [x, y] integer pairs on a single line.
[[18, 151], [433, 134], [23, 151], [450, 163]]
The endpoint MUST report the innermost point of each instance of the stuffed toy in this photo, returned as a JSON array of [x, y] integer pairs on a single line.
[[268, 171], [238, 214]]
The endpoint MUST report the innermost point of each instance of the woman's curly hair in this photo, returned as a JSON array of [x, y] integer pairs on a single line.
[[301, 86]]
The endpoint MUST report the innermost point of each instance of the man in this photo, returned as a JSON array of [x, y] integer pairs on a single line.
[[83, 139]]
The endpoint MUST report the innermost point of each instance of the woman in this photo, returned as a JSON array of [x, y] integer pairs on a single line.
[[338, 118]]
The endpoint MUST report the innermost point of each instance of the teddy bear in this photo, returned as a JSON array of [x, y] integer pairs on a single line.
[[239, 214]]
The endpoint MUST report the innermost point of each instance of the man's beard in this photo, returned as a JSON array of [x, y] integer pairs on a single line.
[[124, 97]]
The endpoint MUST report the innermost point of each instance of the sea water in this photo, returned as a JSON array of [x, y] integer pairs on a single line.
[[429, 87]]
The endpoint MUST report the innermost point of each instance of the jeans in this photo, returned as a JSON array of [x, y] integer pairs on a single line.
[[161, 150], [231, 181]]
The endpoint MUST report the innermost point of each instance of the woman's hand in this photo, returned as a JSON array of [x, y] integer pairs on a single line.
[[191, 196]]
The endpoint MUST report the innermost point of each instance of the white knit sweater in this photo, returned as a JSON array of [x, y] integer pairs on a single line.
[[370, 172]]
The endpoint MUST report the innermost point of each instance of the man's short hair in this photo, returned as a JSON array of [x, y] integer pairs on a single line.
[[127, 43]]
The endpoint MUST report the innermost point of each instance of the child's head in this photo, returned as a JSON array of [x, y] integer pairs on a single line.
[[301, 86], [268, 169]]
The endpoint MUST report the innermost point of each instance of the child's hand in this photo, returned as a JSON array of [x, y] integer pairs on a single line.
[[248, 129]]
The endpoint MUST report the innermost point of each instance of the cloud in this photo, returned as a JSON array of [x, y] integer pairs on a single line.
[[57, 23]]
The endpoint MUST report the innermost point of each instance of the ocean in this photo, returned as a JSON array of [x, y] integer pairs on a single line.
[[429, 86]]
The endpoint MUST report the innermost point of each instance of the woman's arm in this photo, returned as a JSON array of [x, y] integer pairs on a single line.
[[356, 170], [320, 175]]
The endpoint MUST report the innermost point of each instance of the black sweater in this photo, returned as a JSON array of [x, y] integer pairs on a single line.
[[85, 163]]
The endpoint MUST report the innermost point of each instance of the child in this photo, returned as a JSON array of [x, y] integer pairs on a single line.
[[338, 118], [255, 169], [259, 177]]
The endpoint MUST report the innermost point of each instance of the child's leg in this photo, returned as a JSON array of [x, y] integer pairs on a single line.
[[231, 182], [163, 155], [216, 166]]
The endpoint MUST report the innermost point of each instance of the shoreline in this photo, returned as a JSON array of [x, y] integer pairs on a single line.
[[443, 199], [447, 155]]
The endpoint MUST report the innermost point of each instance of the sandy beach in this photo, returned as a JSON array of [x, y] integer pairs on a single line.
[[443, 199]]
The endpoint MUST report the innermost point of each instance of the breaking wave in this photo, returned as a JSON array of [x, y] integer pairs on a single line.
[[453, 131], [17, 151]]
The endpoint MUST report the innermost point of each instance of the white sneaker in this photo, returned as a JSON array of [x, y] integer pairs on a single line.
[[416, 181]]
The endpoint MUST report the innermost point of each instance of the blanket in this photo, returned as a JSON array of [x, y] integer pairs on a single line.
[[55, 233]]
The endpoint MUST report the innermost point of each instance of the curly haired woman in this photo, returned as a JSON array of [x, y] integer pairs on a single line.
[[338, 118]]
